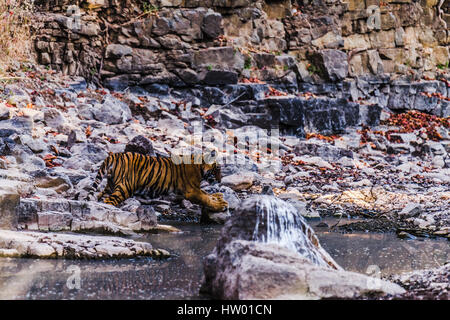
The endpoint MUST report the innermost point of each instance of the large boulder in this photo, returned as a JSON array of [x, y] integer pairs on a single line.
[[212, 24], [325, 115], [272, 220], [268, 251], [248, 270], [332, 63]]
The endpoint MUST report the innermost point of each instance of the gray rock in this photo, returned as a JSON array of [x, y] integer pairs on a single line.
[[35, 145], [147, 216], [411, 210], [324, 115], [212, 24], [54, 221], [53, 118], [214, 217], [9, 203], [333, 64], [89, 151], [112, 111], [5, 112], [140, 144], [228, 194], [324, 150], [117, 51], [218, 77], [238, 182]]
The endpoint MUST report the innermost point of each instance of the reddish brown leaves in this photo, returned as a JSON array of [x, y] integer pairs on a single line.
[[48, 159], [88, 131], [321, 137], [435, 95], [409, 122], [252, 80], [275, 93], [308, 95]]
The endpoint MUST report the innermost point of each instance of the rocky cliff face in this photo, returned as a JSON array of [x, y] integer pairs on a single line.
[[371, 52]]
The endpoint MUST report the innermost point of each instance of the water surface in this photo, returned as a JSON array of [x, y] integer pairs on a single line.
[[180, 276]]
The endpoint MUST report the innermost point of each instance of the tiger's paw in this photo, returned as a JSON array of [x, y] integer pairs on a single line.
[[217, 196], [217, 203]]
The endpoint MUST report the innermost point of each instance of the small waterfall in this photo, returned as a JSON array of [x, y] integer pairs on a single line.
[[280, 223]]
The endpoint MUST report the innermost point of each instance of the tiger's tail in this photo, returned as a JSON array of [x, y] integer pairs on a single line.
[[104, 168]]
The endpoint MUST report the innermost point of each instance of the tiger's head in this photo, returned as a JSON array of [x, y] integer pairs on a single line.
[[211, 172], [211, 169]]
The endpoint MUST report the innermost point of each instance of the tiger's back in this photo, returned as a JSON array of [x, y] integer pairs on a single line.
[[132, 173]]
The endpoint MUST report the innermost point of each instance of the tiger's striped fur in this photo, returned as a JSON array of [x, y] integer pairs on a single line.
[[133, 173]]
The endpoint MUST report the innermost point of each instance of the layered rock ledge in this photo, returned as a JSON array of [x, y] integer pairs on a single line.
[[72, 246]]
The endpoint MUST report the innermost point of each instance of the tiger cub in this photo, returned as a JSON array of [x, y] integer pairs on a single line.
[[134, 173]]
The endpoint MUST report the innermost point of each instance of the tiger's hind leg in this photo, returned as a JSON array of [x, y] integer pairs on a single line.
[[119, 195]]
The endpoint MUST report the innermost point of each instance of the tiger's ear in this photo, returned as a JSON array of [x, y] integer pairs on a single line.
[[209, 157]]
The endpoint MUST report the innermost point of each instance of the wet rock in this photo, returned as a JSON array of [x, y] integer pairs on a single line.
[[303, 209], [267, 190], [424, 284], [251, 222], [147, 216], [406, 235], [214, 217]]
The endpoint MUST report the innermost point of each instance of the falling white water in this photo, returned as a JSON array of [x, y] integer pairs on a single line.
[[280, 223]]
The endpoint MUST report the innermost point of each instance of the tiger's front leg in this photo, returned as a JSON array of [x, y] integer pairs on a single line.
[[214, 202]]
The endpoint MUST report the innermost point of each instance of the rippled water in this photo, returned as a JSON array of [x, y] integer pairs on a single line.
[[179, 277]]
